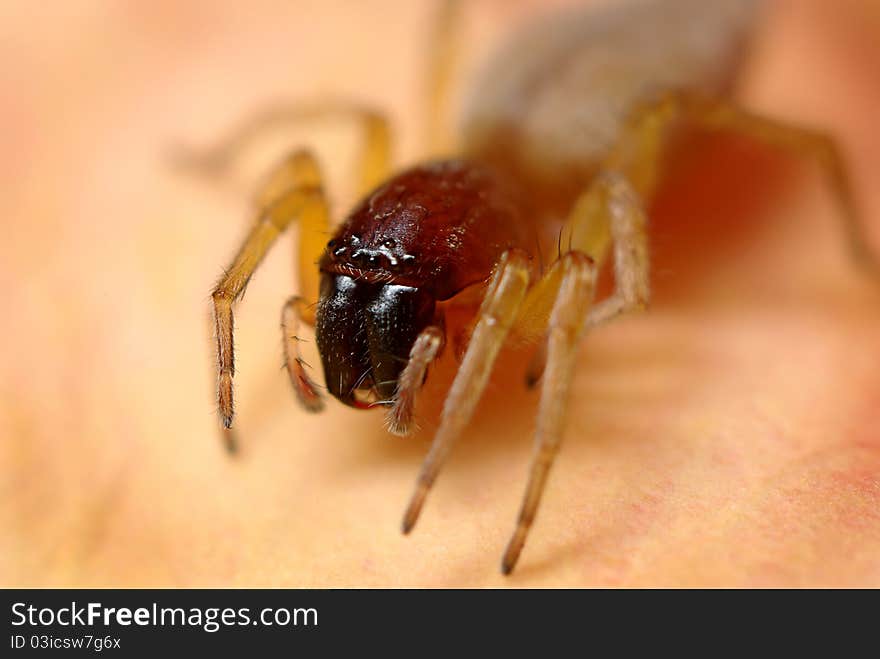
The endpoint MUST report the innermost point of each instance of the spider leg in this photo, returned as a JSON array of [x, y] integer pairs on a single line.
[[610, 215], [607, 215], [293, 189], [427, 346], [627, 221], [292, 314], [637, 154], [302, 199], [497, 314], [373, 161], [573, 278], [443, 50], [568, 286]]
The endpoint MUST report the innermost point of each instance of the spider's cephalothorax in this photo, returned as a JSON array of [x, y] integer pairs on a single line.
[[418, 239]]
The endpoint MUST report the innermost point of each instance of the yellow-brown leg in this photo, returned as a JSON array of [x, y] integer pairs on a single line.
[[608, 214], [374, 159], [443, 45], [497, 314], [637, 154], [291, 189], [425, 350], [296, 310], [608, 217], [571, 281], [302, 198], [627, 222]]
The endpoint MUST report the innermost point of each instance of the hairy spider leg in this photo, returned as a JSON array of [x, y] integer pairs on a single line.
[[304, 200], [374, 155], [576, 275], [627, 220], [501, 304], [295, 311], [607, 218], [428, 345], [291, 190], [637, 157], [610, 215], [637, 153], [569, 286]]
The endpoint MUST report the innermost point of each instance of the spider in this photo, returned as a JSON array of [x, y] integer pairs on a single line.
[[562, 149]]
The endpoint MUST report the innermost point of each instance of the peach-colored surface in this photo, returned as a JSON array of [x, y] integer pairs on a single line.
[[730, 436]]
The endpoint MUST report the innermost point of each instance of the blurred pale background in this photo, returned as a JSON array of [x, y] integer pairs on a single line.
[[728, 437]]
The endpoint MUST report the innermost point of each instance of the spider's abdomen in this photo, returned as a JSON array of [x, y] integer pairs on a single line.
[[552, 102], [439, 227]]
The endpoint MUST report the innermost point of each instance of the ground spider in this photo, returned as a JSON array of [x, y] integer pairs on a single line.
[[562, 147]]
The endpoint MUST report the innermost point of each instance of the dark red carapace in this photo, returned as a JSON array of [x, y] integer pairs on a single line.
[[419, 239]]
